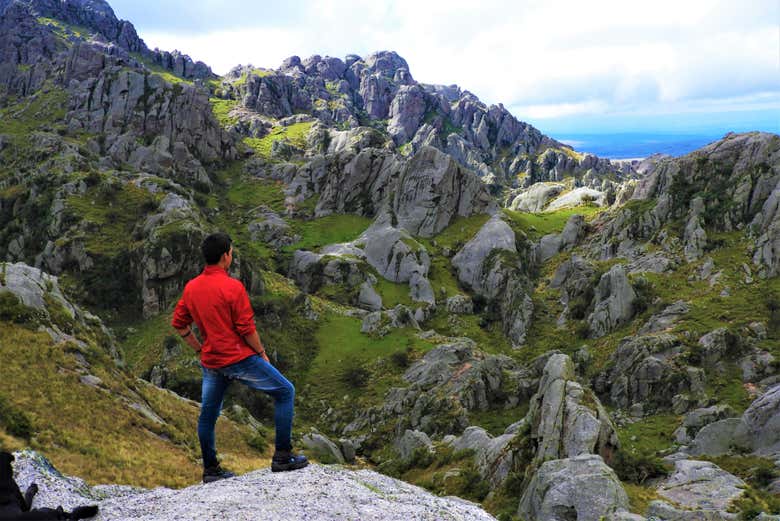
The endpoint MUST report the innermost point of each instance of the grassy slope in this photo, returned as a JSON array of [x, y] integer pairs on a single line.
[[92, 432]]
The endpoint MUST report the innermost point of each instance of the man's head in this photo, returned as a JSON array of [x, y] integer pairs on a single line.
[[217, 249]]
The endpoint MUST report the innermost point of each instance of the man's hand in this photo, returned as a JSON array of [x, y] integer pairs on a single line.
[[190, 338], [253, 339]]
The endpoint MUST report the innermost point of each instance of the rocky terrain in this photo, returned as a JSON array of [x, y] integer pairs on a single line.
[[462, 302]]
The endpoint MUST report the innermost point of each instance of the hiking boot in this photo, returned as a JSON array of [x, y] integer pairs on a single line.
[[286, 460], [215, 473]]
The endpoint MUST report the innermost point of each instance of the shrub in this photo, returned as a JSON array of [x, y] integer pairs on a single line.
[[12, 309], [356, 376], [15, 422], [400, 358], [638, 468]]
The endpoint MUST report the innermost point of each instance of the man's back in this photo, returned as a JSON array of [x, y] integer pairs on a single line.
[[220, 307]]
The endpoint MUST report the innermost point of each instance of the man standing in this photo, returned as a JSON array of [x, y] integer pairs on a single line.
[[231, 350]]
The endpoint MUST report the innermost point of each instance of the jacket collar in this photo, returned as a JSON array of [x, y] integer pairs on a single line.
[[213, 269]]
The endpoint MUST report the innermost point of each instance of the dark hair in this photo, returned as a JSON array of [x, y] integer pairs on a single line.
[[214, 246]]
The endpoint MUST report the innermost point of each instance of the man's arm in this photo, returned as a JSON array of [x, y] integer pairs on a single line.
[[190, 338], [181, 323], [244, 321], [253, 339]]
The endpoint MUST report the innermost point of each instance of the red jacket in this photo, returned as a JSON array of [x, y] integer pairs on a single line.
[[220, 307]]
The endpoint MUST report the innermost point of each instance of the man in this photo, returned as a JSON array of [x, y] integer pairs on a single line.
[[231, 350]]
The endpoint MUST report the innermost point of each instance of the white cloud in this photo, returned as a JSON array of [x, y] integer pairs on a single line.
[[549, 58]]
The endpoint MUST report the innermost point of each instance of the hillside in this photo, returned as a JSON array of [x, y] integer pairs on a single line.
[[461, 301]]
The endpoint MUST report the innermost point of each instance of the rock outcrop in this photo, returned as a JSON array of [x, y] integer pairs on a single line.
[[566, 419], [491, 266], [613, 302], [649, 372], [317, 492]]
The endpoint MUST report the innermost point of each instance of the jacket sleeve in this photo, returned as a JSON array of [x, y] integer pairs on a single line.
[[243, 315], [181, 315]]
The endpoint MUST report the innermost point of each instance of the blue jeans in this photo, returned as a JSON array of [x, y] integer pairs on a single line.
[[255, 373]]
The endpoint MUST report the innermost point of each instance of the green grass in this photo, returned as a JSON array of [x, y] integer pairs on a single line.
[[111, 213], [222, 108], [45, 107], [495, 421], [65, 30], [537, 225], [443, 278], [342, 345], [394, 293], [295, 134], [651, 434], [160, 71], [261, 73], [488, 337], [458, 233], [331, 229]]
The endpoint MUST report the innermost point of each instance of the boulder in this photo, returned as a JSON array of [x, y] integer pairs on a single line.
[[493, 456], [410, 442], [322, 447], [718, 438], [582, 488], [368, 298], [701, 485], [613, 302], [470, 260], [535, 198], [666, 318], [460, 305], [762, 423], [577, 197]]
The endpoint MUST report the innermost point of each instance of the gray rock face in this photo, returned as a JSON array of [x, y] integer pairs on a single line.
[[720, 345], [698, 418], [613, 302], [767, 248], [444, 385], [582, 488], [433, 189], [406, 112], [317, 492], [701, 485], [552, 244], [567, 420], [695, 237], [647, 370]]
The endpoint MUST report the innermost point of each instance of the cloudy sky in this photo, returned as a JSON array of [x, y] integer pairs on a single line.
[[676, 66]]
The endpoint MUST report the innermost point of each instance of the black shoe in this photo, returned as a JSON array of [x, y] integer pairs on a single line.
[[286, 460], [215, 473], [83, 512]]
